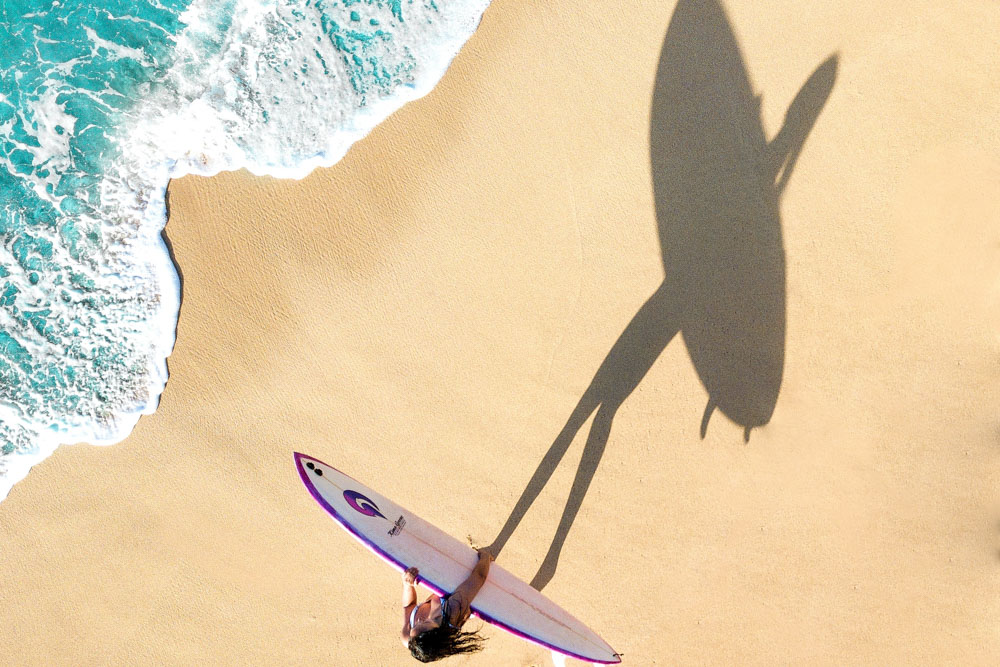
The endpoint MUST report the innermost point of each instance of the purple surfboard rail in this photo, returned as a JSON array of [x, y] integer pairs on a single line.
[[365, 506]]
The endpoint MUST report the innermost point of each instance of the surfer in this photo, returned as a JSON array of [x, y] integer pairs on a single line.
[[433, 629]]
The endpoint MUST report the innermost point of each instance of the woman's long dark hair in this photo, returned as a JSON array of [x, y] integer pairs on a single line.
[[443, 641]]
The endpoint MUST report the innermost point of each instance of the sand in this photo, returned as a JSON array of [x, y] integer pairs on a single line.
[[429, 313]]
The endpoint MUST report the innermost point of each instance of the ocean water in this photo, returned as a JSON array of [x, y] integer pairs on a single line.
[[101, 103]]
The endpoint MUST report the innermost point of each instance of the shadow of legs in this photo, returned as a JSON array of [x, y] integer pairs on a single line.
[[546, 467], [600, 431], [630, 358]]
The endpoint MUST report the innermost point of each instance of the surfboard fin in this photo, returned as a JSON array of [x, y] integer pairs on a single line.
[[709, 409]]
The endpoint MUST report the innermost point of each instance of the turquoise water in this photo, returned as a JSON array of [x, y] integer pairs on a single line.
[[101, 103]]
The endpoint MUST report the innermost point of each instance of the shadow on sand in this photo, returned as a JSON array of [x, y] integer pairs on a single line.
[[717, 182]]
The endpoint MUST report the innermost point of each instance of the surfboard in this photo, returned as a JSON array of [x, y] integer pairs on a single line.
[[404, 540]]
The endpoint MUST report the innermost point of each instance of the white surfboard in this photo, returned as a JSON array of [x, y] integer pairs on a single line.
[[405, 540]]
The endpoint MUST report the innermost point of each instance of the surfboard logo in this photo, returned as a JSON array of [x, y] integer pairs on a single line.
[[362, 504]]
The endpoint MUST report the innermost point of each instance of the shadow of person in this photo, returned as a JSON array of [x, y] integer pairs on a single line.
[[716, 183]]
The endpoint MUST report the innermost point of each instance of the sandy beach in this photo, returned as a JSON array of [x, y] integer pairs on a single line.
[[761, 335]]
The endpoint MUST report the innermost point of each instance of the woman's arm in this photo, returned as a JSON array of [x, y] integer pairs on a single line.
[[410, 586], [467, 590], [409, 599]]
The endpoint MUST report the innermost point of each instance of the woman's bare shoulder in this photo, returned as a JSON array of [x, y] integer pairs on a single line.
[[459, 608]]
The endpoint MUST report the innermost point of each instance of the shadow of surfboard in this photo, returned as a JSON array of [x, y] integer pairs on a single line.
[[717, 183]]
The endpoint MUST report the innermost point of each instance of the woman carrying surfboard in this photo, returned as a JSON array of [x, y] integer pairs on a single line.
[[433, 629], [507, 602]]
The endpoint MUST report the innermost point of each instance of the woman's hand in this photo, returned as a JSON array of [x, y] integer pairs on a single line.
[[485, 554], [410, 576]]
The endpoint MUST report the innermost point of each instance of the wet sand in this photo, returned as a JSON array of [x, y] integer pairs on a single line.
[[544, 307]]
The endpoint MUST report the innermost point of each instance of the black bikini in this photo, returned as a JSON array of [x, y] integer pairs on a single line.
[[445, 620]]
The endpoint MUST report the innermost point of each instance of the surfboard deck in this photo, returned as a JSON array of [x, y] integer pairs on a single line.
[[404, 540]]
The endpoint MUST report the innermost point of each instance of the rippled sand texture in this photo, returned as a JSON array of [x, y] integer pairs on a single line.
[[691, 308]]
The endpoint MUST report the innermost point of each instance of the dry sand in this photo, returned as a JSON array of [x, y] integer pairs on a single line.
[[427, 314]]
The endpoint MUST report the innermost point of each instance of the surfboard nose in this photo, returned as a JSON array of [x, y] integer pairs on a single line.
[[308, 468], [304, 460]]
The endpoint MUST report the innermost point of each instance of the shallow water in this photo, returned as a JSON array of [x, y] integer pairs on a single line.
[[101, 103]]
